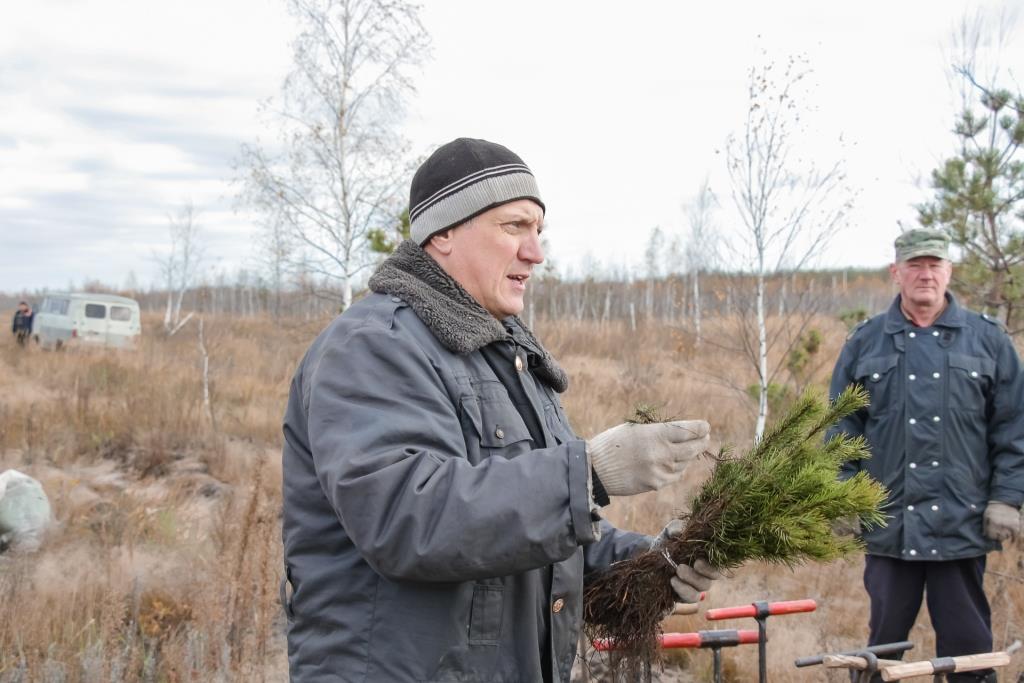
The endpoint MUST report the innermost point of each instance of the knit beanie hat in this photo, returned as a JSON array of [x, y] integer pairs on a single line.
[[462, 179]]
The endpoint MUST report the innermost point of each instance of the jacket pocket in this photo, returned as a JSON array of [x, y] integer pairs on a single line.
[[970, 380], [498, 426], [880, 377], [486, 614]]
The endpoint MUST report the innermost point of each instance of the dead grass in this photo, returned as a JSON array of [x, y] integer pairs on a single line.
[[164, 563]]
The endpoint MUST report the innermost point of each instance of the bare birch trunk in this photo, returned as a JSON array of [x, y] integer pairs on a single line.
[[696, 305], [346, 294], [762, 365], [207, 406]]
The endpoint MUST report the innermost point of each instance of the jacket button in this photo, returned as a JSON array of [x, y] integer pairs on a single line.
[[935, 463], [934, 551], [936, 419], [935, 508], [974, 373], [913, 465], [913, 552], [935, 333], [911, 377], [396, 300], [910, 507], [912, 335], [500, 433], [519, 363], [875, 376], [936, 375], [557, 606], [912, 421]]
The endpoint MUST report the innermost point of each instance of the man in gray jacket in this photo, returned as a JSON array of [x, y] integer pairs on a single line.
[[946, 432], [439, 511]]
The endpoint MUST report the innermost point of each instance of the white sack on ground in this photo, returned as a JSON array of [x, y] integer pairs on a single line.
[[24, 512]]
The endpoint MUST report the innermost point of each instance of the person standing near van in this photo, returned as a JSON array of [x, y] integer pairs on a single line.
[[22, 325]]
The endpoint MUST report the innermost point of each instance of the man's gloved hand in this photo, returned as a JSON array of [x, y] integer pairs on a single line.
[[846, 526], [1002, 521], [673, 528], [635, 458], [689, 582]]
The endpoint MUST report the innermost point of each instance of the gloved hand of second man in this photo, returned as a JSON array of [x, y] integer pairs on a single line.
[[1002, 521], [635, 458], [689, 581]]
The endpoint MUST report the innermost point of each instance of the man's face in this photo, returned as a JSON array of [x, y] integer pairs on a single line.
[[23, 308], [493, 255], [922, 280]]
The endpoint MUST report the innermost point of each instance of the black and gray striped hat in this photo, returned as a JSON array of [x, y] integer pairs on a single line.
[[462, 179]]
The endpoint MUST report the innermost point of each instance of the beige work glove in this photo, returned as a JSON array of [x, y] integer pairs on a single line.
[[689, 583], [1002, 521], [635, 458]]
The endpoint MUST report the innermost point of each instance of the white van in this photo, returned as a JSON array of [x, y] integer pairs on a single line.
[[86, 319]]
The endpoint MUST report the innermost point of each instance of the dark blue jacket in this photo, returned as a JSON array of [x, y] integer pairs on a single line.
[[945, 427], [22, 323]]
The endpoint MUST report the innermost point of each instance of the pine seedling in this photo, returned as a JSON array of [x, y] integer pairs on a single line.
[[775, 504], [646, 414]]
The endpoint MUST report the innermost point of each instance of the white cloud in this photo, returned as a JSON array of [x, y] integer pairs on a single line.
[[113, 113]]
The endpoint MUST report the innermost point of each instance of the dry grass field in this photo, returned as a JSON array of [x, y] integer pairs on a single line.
[[164, 561]]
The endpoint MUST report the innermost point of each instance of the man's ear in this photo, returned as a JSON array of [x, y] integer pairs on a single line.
[[894, 273], [442, 241]]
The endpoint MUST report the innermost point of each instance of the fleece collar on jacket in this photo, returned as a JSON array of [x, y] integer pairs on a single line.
[[456, 319]]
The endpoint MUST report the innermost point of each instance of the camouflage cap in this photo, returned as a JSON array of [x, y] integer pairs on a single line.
[[922, 242]]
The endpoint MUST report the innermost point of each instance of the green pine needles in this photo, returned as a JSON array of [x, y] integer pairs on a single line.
[[776, 503]]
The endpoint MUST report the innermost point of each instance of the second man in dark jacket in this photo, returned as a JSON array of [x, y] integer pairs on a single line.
[[946, 432]]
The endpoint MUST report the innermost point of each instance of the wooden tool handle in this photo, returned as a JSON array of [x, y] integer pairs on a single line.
[[854, 662], [845, 662], [985, 660]]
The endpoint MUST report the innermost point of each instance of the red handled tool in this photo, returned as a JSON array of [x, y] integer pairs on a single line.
[[761, 610], [713, 640]]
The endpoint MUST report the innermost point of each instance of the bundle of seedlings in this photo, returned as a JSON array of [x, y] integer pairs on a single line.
[[776, 503]]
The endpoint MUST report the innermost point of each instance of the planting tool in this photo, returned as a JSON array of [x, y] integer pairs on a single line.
[[713, 640], [760, 611], [886, 649], [943, 665], [866, 660]]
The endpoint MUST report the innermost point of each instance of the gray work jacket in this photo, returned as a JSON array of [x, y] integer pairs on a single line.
[[945, 427], [428, 536]]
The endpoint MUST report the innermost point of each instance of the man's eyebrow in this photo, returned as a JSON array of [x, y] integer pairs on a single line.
[[519, 219]]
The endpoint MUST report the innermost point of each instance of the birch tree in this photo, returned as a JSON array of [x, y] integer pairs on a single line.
[[790, 206], [340, 165], [702, 246], [276, 248], [180, 265]]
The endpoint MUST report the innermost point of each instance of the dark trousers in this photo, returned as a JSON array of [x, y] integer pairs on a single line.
[[956, 602]]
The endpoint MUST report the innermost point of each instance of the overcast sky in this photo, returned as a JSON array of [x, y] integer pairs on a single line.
[[114, 113]]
